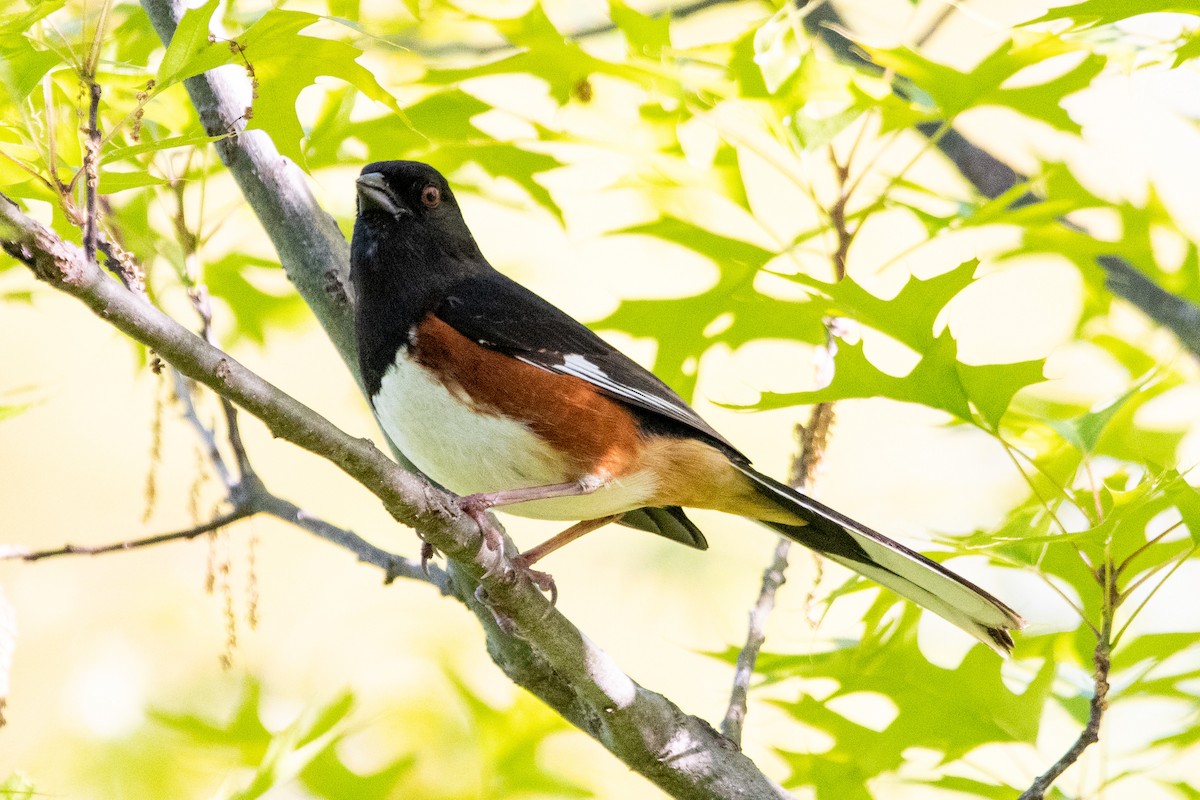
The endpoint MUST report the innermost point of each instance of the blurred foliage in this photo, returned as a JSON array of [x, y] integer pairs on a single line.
[[1110, 516], [18, 787], [237, 755]]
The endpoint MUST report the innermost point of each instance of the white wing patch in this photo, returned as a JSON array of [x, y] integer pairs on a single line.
[[580, 367]]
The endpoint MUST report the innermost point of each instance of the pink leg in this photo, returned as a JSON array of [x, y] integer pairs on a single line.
[[544, 580], [535, 554], [476, 505]]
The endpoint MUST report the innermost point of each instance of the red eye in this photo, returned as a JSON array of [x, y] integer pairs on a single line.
[[431, 196]]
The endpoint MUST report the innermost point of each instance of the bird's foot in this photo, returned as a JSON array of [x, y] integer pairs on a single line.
[[542, 580], [427, 554], [476, 506]]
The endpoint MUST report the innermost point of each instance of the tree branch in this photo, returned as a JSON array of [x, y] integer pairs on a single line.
[[531, 641]]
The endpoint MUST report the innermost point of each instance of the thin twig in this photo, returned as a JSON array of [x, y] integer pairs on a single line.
[[91, 161], [773, 577], [1183, 558], [1091, 732], [837, 216], [183, 393], [813, 439], [131, 544]]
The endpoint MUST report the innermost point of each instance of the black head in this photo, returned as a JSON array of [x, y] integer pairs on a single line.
[[411, 204], [410, 246]]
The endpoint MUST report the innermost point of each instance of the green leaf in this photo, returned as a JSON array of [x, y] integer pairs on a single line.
[[644, 34], [511, 740], [117, 154], [1083, 432], [947, 711], [289, 751], [14, 402], [991, 386], [17, 787], [682, 325], [21, 22], [254, 309], [285, 63], [1106, 12], [8, 410], [1188, 49], [503, 160], [113, 182], [22, 67], [548, 54], [242, 729], [326, 776], [189, 40], [955, 91], [938, 381], [908, 317]]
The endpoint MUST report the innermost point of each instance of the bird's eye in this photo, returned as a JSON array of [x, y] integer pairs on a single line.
[[431, 196]]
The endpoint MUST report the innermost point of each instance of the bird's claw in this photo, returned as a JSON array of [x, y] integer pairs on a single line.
[[476, 507], [542, 580], [427, 553]]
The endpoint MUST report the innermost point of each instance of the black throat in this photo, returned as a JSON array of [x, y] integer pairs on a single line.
[[399, 278]]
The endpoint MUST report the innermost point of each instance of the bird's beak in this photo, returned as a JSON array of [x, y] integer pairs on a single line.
[[373, 190]]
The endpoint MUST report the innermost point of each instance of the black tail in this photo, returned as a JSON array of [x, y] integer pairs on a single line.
[[908, 573]]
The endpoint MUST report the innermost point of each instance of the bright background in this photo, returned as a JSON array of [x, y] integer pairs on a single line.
[[106, 645]]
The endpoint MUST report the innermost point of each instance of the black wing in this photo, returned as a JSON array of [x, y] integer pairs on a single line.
[[502, 315]]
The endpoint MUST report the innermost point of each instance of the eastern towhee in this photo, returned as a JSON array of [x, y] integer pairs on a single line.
[[504, 399]]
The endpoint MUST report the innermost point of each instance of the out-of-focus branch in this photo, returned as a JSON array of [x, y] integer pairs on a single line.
[[534, 643], [1172, 312], [813, 439], [252, 501]]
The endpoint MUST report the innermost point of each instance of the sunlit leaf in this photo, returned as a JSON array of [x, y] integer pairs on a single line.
[[254, 309], [18, 787], [189, 39], [921, 300], [1084, 431], [645, 34], [954, 91], [326, 776], [949, 711], [1107, 12], [22, 66]]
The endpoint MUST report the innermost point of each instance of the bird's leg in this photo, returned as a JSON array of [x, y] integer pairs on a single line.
[[476, 505], [507, 497], [544, 580], [535, 554]]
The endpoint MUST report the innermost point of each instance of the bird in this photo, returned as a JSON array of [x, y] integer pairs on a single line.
[[507, 401]]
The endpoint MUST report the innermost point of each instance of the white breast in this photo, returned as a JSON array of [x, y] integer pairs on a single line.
[[470, 452]]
